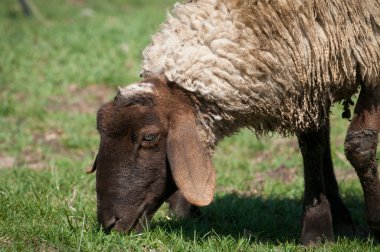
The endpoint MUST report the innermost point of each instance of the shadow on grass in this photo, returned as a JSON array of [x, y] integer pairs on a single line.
[[266, 220]]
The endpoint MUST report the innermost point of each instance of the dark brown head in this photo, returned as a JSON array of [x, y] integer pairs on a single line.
[[149, 148]]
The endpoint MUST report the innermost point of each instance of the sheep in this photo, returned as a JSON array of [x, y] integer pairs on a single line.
[[215, 67]]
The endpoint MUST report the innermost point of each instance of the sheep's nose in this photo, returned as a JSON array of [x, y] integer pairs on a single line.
[[109, 224]]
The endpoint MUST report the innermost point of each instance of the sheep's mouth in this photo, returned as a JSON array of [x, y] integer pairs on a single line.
[[140, 224]]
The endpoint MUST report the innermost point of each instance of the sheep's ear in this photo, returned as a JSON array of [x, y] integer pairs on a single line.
[[191, 166], [91, 170]]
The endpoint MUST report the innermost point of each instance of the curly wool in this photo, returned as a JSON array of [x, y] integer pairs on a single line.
[[270, 65]]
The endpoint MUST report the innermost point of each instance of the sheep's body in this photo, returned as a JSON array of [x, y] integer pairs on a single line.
[[271, 65]]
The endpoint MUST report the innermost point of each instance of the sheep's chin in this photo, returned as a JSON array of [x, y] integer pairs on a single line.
[[140, 224]]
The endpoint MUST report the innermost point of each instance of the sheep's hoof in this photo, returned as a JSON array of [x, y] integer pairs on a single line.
[[317, 224]]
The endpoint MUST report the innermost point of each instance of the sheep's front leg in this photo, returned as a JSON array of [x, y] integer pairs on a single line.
[[342, 221], [317, 220], [180, 207], [360, 148]]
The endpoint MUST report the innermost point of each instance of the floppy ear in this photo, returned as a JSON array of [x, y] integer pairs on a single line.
[[91, 170], [190, 164]]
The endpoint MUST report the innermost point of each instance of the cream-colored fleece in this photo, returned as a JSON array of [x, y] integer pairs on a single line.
[[270, 65]]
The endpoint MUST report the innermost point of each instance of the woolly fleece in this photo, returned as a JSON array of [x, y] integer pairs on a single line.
[[270, 65]]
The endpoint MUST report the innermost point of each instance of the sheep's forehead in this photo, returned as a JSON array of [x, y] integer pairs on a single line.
[[136, 89]]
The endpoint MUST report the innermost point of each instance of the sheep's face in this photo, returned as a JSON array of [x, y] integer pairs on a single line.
[[148, 149]]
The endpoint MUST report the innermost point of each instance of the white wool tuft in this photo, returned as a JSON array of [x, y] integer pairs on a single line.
[[269, 65], [137, 88]]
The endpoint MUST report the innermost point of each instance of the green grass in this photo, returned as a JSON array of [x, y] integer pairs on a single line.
[[54, 73]]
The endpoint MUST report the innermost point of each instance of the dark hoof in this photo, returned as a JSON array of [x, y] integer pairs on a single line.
[[317, 224]]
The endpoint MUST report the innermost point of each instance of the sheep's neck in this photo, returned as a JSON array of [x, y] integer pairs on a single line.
[[212, 123]]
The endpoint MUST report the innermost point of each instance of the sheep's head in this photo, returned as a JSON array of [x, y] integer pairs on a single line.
[[149, 148]]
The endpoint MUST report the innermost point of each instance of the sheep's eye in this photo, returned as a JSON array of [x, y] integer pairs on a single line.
[[150, 140], [150, 137]]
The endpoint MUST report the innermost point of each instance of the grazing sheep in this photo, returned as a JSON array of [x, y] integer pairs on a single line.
[[217, 66]]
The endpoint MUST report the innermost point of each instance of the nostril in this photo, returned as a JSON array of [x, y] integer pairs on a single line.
[[110, 224]]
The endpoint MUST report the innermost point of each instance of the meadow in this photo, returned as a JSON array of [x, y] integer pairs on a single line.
[[56, 69]]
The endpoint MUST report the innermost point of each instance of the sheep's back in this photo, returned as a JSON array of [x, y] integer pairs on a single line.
[[270, 65]]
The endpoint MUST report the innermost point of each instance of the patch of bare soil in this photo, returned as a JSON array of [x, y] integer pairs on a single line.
[[283, 174], [277, 147], [345, 174], [49, 138], [7, 161], [85, 100], [76, 2], [32, 159], [33, 156]]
